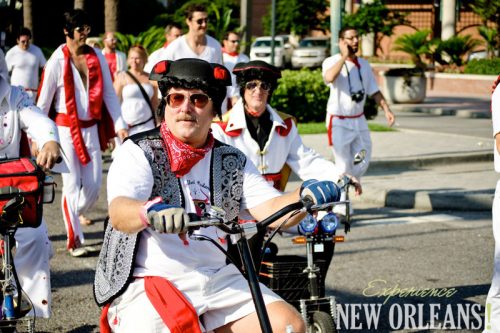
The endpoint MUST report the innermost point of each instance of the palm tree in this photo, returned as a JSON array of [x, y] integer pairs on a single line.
[[79, 4], [28, 16], [111, 15], [416, 45]]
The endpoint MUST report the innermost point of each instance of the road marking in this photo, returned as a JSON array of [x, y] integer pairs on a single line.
[[434, 218]]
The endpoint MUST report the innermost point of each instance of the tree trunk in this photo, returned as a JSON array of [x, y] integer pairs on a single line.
[[28, 16], [111, 15], [79, 4]]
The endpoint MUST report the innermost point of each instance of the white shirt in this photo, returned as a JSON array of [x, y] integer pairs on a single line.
[[340, 101], [165, 254], [53, 88], [24, 66], [495, 117], [179, 49], [153, 59], [279, 150]]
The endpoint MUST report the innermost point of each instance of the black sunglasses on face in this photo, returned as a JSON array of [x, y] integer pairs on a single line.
[[252, 85], [85, 28], [201, 21], [175, 100]]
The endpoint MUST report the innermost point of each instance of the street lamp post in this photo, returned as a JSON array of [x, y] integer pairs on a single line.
[[335, 24], [273, 25]]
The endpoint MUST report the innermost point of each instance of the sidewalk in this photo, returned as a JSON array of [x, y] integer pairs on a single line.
[[424, 169]]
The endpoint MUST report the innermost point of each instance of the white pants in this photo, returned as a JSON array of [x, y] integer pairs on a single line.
[[219, 298], [346, 143], [31, 259], [82, 184], [494, 294]]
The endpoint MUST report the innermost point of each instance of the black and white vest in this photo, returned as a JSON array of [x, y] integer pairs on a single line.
[[116, 260]]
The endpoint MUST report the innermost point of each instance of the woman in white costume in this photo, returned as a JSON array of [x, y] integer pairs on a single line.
[[137, 112]]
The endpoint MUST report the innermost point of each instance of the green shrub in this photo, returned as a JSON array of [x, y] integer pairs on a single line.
[[151, 39], [302, 94], [483, 66]]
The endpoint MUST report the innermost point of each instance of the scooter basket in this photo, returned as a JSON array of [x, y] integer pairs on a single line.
[[286, 277]]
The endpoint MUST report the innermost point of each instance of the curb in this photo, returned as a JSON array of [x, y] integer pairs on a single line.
[[422, 161], [430, 201], [447, 111]]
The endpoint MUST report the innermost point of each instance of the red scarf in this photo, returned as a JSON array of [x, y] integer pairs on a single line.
[[95, 90], [355, 62], [232, 54], [182, 156]]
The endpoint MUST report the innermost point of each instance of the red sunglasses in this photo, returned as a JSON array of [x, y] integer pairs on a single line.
[[175, 100]]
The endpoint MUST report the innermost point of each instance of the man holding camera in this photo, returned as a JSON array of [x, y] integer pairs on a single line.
[[351, 80]]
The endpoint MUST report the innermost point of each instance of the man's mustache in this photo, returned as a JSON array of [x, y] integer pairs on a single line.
[[186, 118]]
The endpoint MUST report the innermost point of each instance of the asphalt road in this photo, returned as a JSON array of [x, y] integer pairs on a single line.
[[402, 248]]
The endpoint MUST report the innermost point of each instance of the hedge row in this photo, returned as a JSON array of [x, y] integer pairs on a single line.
[[483, 66], [302, 94]]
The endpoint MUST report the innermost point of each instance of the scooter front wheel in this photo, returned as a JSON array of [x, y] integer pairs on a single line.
[[322, 322]]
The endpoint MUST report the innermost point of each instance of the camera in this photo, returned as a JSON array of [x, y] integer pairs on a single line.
[[357, 96]]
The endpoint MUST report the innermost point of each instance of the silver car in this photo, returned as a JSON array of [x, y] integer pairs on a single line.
[[311, 52], [261, 50]]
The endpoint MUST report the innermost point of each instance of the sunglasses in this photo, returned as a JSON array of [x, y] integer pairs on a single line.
[[175, 100], [201, 21], [85, 29], [252, 85]]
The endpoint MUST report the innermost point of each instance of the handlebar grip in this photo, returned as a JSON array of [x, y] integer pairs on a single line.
[[196, 221]]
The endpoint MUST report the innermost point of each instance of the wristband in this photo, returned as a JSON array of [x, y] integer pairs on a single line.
[[143, 213]]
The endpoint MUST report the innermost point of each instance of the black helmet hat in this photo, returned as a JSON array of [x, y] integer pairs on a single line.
[[190, 73], [256, 70]]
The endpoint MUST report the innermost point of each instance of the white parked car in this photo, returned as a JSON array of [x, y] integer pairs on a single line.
[[261, 50], [311, 52]]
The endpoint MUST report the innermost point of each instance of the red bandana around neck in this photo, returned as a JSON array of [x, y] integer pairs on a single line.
[[253, 112], [355, 62], [95, 90], [182, 156], [232, 54]]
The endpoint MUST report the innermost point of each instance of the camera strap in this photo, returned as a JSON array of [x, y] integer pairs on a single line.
[[349, 79]]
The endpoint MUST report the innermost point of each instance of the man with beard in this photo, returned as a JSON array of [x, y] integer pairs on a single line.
[[351, 80], [77, 93], [117, 60]]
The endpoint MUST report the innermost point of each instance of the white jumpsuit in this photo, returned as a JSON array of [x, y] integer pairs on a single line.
[[494, 294], [279, 150], [82, 185]]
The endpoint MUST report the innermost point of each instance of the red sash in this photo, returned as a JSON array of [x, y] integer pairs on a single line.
[[95, 90], [275, 178], [330, 124], [174, 309]]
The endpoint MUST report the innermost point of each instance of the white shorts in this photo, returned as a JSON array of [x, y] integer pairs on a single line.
[[219, 298]]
